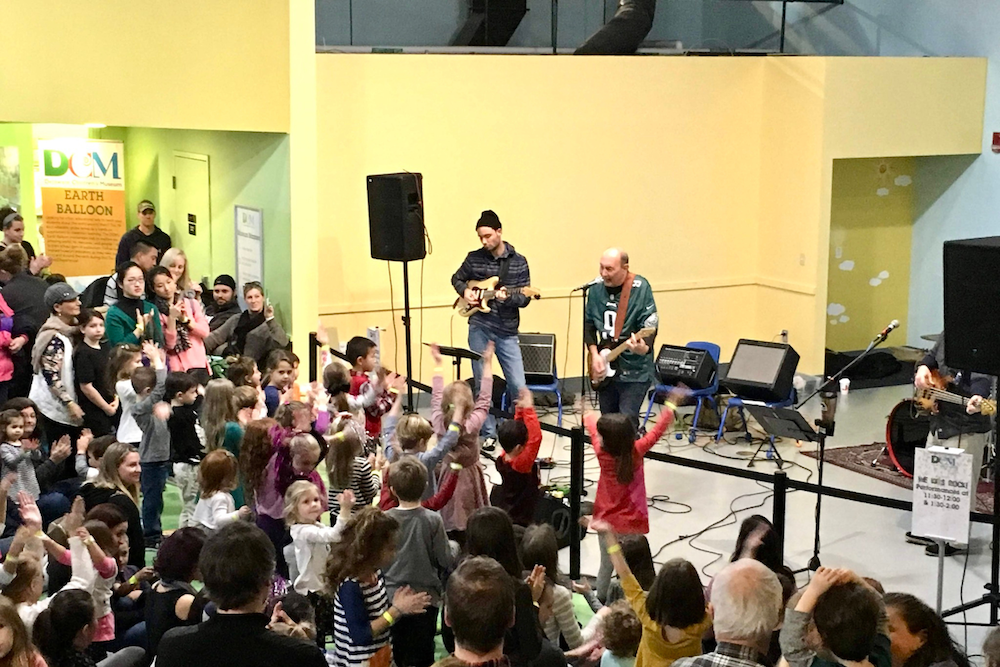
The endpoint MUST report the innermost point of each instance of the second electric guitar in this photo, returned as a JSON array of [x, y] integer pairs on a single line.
[[610, 354]]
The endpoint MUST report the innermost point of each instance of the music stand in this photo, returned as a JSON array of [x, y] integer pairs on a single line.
[[783, 422], [457, 354]]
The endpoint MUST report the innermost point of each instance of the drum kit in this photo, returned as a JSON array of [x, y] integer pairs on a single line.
[[910, 421], [905, 431]]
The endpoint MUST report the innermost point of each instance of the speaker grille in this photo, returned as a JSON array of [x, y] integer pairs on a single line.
[[538, 351]]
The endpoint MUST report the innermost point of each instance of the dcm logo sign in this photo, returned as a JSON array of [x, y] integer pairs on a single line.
[[81, 164]]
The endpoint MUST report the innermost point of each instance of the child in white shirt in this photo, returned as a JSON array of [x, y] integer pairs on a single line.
[[311, 545], [218, 475]]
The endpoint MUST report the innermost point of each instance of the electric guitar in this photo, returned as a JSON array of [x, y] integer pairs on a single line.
[[927, 399], [485, 291], [610, 354]]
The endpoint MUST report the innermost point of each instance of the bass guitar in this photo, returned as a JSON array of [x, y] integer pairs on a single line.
[[485, 291], [927, 399], [610, 355]]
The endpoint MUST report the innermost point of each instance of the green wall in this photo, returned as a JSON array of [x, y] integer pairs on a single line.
[[20, 135], [245, 168], [871, 226]]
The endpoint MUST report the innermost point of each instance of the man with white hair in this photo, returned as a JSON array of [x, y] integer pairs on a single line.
[[746, 610]]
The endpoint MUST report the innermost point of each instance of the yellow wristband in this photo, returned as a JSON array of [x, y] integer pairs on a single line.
[[393, 390], [670, 405], [454, 427], [388, 618], [39, 533], [614, 548], [132, 580], [439, 370]]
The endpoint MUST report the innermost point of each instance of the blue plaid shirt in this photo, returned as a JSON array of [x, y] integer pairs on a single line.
[[727, 655], [504, 317]]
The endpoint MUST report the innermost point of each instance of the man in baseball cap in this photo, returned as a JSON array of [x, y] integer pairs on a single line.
[[147, 231]]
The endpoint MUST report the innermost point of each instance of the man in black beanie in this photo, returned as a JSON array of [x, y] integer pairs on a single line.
[[223, 304], [500, 325]]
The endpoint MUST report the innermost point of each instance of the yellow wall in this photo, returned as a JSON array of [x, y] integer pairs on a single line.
[[871, 224], [222, 64], [573, 159], [715, 175]]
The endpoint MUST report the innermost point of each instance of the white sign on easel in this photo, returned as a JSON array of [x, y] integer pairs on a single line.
[[249, 246], [942, 493]]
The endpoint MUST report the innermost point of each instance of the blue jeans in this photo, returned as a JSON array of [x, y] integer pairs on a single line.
[[623, 397], [508, 354], [152, 483]]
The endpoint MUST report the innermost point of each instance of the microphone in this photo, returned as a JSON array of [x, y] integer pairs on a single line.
[[593, 282], [885, 332]]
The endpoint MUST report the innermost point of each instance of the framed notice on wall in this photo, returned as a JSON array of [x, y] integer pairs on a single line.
[[249, 246]]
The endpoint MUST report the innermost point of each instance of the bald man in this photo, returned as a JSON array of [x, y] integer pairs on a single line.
[[634, 373]]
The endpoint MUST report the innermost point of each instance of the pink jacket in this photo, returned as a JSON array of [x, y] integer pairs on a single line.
[[195, 356], [6, 361]]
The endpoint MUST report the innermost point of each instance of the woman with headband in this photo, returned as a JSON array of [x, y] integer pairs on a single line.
[[12, 225]]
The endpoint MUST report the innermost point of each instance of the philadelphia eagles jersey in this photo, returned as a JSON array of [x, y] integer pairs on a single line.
[[602, 312]]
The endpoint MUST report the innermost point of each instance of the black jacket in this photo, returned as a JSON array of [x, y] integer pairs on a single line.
[[235, 639], [25, 294], [952, 419], [219, 315]]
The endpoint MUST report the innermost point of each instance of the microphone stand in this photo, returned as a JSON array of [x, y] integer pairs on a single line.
[[827, 423], [584, 371]]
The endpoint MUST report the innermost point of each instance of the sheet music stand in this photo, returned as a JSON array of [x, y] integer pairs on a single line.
[[457, 354], [781, 422]]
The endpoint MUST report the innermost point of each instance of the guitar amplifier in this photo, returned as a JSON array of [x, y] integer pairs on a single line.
[[695, 368], [538, 352]]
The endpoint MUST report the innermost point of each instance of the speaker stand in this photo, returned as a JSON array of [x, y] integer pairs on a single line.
[[406, 333]]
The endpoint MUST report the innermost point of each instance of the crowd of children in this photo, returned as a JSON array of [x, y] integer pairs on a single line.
[[407, 503]]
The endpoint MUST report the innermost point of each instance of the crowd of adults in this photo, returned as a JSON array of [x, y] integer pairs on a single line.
[[149, 297]]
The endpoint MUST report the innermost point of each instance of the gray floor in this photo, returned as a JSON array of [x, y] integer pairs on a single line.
[[862, 537]]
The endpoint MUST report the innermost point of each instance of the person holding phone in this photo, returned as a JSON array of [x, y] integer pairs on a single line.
[[255, 333]]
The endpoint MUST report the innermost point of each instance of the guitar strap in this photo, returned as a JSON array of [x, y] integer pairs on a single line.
[[502, 273], [623, 304]]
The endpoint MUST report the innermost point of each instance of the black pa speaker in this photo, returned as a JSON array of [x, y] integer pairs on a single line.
[[695, 368], [971, 316], [396, 217], [538, 352], [555, 512], [762, 371]]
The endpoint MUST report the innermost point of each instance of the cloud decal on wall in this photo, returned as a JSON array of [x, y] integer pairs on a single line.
[[902, 181], [835, 309], [847, 265]]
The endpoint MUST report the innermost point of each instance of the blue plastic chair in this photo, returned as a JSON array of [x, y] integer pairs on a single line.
[[737, 402], [709, 393], [551, 388]]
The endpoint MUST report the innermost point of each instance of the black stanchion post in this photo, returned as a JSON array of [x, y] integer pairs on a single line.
[[778, 515], [313, 364], [575, 493]]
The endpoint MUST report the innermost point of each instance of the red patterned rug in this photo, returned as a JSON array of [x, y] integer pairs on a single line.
[[859, 459]]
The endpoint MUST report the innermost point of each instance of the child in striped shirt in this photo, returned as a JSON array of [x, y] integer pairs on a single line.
[[362, 613], [349, 468]]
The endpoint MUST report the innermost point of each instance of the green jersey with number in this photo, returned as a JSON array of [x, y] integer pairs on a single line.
[[602, 311]]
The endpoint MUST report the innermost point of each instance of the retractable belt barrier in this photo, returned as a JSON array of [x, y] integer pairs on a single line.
[[779, 480]]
